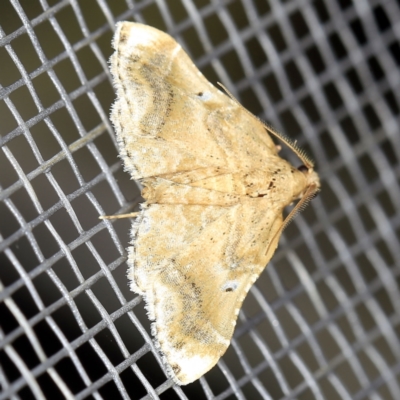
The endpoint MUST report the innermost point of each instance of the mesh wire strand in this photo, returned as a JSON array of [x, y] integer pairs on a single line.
[[322, 322]]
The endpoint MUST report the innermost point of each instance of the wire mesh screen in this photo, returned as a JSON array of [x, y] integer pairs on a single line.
[[322, 321]]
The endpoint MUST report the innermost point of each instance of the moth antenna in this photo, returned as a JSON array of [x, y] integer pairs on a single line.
[[231, 95], [120, 216], [310, 193], [292, 144]]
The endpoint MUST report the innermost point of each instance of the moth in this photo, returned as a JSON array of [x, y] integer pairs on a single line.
[[214, 190]]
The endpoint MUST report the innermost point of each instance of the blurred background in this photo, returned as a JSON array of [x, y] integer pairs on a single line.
[[322, 321]]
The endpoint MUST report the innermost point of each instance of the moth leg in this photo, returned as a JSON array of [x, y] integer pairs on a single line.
[[118, 216]]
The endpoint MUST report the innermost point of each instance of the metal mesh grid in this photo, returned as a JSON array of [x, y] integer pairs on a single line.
[[323, 320]]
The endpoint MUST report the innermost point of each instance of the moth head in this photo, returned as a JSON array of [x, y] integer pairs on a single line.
[[311, 184]]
